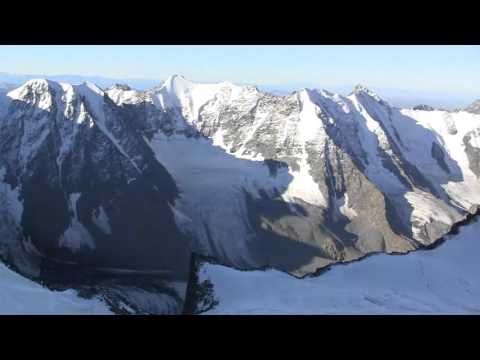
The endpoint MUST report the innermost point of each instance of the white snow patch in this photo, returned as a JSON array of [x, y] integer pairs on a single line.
[[21, 296], [304, 187], [76, 236], [345, 208]]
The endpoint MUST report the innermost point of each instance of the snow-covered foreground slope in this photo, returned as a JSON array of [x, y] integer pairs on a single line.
[[445, 280], [19, 296]]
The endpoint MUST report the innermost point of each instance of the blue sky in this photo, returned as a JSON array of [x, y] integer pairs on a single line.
[[442, 73]]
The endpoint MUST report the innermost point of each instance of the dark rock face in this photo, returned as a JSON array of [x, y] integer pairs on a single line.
[[199, 296], [437, 154]]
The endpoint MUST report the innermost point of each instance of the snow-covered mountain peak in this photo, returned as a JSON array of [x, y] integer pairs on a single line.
[[326, 93], [189, 96], [89, 86], [44, 91], [39, 92], [181, 86], [34, 86], [309, 124], [176, 83], [313, 94], [37, 83], [331, 96], [122, 94], [361, 89], [94, 96], [333, 103], [123, 87]]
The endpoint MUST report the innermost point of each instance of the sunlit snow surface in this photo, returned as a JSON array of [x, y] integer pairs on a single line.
[[20, 296], [445, 280]]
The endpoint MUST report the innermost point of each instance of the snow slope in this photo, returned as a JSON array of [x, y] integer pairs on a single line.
[[444, 280], [21, 296]]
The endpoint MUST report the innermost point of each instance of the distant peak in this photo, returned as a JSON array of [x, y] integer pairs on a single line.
[[178, 76], [87, 85], [90, 84], [40, 84], [33, 86], [304, 91], [123, 87], [325, 92], [38, 81], [361, 89], [175, 82], [174, 78], [423, 107], [474, 107]]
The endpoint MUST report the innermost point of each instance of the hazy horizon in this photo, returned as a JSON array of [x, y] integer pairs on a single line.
[[441, 76], [397, 97]]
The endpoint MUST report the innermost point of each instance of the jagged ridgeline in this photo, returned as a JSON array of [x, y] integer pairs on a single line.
[[111, 191]]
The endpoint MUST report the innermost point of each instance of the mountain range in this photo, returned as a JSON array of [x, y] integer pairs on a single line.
[[10, 81], [116, 192]]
